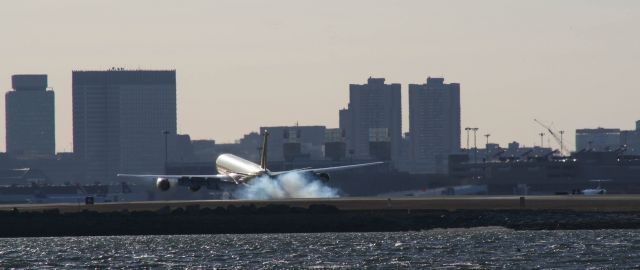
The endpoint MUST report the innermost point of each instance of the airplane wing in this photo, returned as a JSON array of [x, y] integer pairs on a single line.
[[221, 177], [329, 169]]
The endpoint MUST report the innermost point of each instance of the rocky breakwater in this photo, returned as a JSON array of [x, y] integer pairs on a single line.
[[276, 218]]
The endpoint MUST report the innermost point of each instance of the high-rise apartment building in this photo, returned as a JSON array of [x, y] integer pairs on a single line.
[[30, 117], [373, 119], [121, 120], [434, 124]]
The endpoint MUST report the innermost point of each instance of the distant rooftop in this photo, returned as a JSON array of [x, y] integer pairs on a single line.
[[598, 130], [438, 81], [29, 82], [121, 69], [372, 80], [124, 76]]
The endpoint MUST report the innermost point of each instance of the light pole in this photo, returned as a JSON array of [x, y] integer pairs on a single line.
[[541, 139], [486, 147], [467, 129], [166, 149]]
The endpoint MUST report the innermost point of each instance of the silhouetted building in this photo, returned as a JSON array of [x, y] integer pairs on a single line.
[[119, 120], [434, 124], [380, 144], [248, 147], [204, 150], [344, 120], [30, 117], [288, 143], [335, 147], [374, 109], [630, 139], [598, 139], [180, 148], [514, 152]]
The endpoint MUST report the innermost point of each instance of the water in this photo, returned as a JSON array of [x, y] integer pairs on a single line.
[[479, 248]]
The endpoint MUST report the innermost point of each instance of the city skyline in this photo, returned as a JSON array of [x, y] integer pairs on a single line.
[[569, 69]]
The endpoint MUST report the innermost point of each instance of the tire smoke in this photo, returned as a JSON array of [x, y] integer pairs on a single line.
[[289, 185]]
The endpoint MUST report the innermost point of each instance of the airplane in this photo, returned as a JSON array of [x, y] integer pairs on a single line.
[[599, 190], [236, 170]]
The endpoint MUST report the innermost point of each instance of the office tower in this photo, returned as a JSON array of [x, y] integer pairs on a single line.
[[122, 119], [374, 120], [30, 117], [434, 124]]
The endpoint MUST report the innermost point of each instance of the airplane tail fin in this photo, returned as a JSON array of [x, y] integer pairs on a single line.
[[263, 155]]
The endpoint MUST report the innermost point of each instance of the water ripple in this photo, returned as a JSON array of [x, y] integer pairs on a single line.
[[478, 248]]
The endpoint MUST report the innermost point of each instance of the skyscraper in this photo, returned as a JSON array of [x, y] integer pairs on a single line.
[[120, 118], [434, 124], [373, 119], [30, 117]]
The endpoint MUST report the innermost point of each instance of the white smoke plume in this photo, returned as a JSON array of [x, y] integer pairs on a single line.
[[289, 185]]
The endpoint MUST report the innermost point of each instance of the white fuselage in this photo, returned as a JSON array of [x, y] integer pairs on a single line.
[[594, 191], [241, 170]]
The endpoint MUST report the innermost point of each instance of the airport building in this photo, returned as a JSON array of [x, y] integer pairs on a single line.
[[598, 139], [122, 120], [492, 152], [434, 124], [30, 117], [631, 140], [372, 121]]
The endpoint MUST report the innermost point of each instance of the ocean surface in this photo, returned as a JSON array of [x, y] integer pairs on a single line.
[[477, 248]]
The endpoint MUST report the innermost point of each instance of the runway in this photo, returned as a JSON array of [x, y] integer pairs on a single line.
[[604, 203]]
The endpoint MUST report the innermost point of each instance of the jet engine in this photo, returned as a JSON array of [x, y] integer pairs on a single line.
[[324, 177], [163, 184]]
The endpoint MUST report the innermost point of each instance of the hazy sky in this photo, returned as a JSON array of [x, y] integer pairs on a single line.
[[242, 64]]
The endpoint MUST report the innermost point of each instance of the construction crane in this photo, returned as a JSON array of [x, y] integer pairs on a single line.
[[563, 149]]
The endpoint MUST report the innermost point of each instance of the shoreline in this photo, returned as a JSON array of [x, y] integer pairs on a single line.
[[327, 215], [601, 203]]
